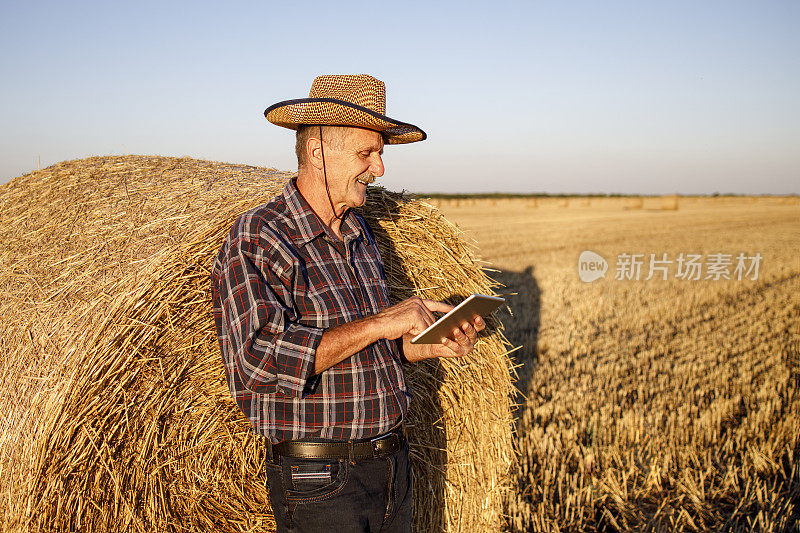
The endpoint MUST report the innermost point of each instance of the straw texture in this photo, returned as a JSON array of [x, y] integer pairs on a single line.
[[116, 414]]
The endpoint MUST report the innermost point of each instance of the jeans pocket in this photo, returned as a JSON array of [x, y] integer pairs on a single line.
[[313, 480]]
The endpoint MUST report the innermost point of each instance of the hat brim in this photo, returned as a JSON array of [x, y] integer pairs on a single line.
[[334, 112]]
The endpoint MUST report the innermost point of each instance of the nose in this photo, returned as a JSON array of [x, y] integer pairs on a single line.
[[376, 166]]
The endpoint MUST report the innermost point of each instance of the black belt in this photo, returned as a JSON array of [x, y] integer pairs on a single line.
[[379, 446]]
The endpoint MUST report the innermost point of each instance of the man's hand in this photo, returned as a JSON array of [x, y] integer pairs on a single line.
[[407, 319], [411, 317], [462, 342]]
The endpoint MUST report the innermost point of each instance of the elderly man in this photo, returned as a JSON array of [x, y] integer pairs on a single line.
[[312, 349]]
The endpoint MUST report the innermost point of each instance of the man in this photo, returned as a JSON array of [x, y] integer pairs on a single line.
[[312, 349]]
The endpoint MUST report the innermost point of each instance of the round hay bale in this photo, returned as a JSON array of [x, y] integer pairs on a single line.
[[116, 412]]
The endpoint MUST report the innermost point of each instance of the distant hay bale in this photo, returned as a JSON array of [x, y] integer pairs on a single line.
[[116, 412], [563, 203], [669, 202], [635, 202], [531, 203]]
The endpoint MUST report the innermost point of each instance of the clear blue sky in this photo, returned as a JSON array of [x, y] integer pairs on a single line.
[[632, 97]]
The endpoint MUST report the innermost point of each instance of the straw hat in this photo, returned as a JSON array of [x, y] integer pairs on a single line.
[[345, 100]]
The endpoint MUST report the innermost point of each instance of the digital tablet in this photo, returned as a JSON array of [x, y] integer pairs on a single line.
[[477, 304]]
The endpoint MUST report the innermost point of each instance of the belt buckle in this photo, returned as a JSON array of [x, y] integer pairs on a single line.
[[383, 442], [376, 444], [379, 446], [376, 447]]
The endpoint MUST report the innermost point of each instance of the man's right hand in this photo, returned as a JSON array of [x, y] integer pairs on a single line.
[[412, 316]]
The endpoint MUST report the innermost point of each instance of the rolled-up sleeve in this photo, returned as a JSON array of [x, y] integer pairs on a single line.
[[271, 352]]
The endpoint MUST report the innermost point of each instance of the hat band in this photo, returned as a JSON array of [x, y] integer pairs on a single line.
[[345, 103]]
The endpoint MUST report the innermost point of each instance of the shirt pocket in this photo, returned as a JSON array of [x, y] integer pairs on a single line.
[[328, 306], [323, 298], [377, 292]]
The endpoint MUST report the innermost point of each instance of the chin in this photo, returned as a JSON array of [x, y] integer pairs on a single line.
[[359, 201]]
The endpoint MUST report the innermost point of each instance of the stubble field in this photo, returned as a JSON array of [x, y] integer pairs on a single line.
[[650, 405]]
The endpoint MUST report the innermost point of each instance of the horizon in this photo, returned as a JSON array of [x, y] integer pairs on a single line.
[[481, 194], [682, 98]]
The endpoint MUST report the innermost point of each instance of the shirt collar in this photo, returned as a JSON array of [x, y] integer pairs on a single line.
[[307, 225]]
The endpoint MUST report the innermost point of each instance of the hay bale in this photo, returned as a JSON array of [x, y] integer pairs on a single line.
[[117, 416], [669, 202], [634, 202]]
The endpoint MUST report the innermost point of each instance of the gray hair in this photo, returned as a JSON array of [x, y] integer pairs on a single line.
[[334, 137]]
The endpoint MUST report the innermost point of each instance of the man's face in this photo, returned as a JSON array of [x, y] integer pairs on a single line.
[[351, 165]]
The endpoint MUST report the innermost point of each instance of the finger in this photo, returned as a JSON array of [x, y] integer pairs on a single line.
[[478, 323], [433, 305], [428, 315], [453, 348], [422, 310], [419, 316], [470, 332], [460, 337]]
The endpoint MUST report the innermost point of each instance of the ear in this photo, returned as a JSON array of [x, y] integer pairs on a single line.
[[314, 152]]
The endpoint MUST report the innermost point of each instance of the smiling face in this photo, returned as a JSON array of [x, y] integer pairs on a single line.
[[351, 165]]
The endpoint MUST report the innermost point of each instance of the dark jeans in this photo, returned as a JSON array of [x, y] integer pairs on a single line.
[[335, 495]]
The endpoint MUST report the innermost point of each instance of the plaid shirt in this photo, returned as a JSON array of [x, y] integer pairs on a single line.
[[280, 279]]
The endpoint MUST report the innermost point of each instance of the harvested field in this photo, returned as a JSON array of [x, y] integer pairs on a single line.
[[116, 412], [651, 405]]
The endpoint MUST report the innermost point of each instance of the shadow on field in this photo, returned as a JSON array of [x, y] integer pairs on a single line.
[[522, 324]]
